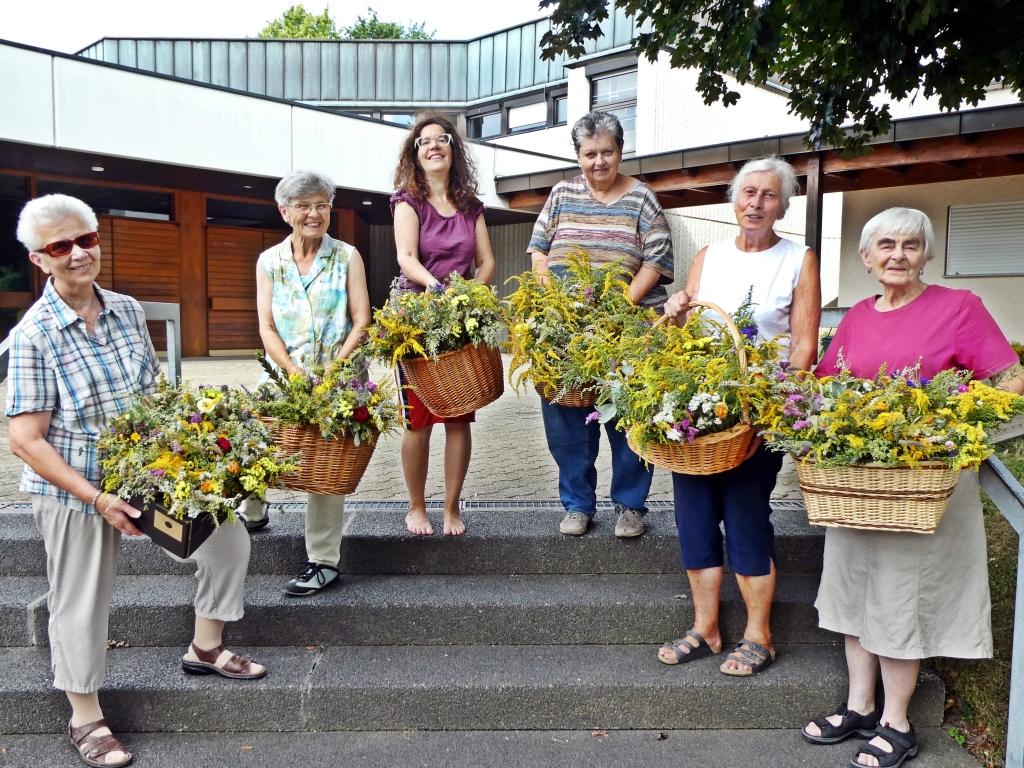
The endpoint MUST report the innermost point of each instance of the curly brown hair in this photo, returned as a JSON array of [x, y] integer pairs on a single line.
[[462, 185]]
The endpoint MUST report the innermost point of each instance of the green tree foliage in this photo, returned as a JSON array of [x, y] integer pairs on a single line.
[[298, 23], [842, 60], [370, 27]]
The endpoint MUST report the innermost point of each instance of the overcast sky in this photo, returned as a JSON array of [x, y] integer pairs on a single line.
[[70, 25]]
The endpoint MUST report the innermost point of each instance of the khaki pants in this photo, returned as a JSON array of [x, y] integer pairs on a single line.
[[325, 516], [81, 559]]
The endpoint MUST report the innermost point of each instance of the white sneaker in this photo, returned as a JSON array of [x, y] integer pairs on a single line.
[[629, 524], [574, 524], [314, 578]]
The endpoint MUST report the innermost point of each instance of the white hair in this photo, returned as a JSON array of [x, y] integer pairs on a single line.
[[909, 222], [593, 123], [50, 211], [299, 184], [783, 171]]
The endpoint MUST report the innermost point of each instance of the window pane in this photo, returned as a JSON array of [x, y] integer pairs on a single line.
[[561, 110], [485, 126], [529, 116], [615, 88], [627, 117], [397, 118]]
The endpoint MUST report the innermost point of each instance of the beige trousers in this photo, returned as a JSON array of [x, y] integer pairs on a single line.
[[325, 517], [81, 559]]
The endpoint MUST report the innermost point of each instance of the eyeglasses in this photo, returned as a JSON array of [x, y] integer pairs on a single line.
[[322, 208], [61, 248], [442, 141]]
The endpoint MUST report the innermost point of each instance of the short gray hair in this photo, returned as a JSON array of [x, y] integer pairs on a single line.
[[49, 211], [588, 126], [909, 222], [299, 184], [783, 171]]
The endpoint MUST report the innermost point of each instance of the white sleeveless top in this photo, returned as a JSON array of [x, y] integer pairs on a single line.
[[728, 274]]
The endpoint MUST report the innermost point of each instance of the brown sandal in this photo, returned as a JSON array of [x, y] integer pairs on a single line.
[[93, 749], [237, 667]]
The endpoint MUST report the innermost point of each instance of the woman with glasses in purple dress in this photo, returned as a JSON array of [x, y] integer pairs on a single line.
[[439, 229]]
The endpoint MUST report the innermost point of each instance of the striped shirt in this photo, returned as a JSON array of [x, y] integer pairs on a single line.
[[310, 311], [632, 230], [83, 379]]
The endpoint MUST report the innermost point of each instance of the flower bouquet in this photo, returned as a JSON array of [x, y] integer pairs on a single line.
[[684, 395], [187, 457], [884, 453], [331, 417], [445, 342], [562, 329]]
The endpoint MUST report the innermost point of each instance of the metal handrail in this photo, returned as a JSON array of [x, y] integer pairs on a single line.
[[155, 311]]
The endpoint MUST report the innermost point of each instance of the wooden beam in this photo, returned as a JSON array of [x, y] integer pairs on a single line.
[[190, 214], [931, 150], [528, 200], [815, 191]]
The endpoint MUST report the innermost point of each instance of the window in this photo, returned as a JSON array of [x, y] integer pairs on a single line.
[[527, 117], [560, 110], [616, 93], [485, 126], [985, 239]]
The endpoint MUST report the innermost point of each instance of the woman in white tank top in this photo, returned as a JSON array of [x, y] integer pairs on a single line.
[[782, 276]]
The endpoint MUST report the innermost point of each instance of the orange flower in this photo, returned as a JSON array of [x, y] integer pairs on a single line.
[[234, 467], [721, 410]]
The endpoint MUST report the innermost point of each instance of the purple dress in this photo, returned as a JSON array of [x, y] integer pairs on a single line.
[[446, 244]]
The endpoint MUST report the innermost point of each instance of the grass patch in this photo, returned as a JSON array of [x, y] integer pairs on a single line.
[[978, 692]]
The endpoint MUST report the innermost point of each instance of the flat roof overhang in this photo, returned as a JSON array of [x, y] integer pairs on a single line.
[[979, 143]]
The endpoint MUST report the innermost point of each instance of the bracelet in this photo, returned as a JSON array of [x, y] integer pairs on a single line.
[[92, 502]]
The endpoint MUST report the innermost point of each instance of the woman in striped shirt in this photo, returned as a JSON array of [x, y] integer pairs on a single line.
[[614, 218]]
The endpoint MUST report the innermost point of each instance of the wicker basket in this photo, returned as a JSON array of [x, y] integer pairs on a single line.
[[325, 466], [571, 398], [459, 382], [877, 498], [707, 454]]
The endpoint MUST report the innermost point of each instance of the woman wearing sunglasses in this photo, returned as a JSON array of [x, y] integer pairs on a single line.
[[439, 229], [78, 357]]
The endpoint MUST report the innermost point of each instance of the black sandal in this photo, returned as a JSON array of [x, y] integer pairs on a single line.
[[904, 747], [691, 653], [852, 723]]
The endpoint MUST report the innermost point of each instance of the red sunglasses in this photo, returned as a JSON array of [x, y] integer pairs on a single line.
[[62, 248]]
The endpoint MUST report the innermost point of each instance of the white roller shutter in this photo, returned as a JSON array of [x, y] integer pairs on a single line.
[[985, 239]]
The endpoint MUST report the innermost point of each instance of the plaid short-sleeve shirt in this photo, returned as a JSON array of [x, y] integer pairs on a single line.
[[83, 379]]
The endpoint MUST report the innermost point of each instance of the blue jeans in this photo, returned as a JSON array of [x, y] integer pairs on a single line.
[[574, 445]]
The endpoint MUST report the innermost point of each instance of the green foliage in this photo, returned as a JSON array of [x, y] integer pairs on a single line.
[[370, 27], [895, 420], [195, 451], [340, 400], [839, 61], [298, 23], [1019, 349], [674, 384], [564, 331], [435, 321]]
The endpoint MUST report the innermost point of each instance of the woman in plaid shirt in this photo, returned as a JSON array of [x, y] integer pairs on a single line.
[[78, 356]]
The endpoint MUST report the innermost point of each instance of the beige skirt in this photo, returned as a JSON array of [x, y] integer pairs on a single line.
[[912, 595]]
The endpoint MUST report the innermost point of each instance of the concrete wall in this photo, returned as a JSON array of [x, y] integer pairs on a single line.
[[1002, 295]]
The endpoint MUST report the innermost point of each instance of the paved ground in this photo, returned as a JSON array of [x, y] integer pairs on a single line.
[[510, 458]]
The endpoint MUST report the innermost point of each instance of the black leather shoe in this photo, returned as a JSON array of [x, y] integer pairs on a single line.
[[256, 525]]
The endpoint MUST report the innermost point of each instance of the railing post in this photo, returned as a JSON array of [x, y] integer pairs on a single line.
[[1008, 495]]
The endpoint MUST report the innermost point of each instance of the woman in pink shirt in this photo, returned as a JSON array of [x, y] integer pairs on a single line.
[[899, 597], [439, 229]]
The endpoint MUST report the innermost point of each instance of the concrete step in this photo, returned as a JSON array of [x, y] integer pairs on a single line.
[[482, 749], [433, 610], [340, 688], [513, 539]]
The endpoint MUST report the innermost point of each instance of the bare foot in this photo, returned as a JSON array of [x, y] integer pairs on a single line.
[[417, 523], [453, 525]]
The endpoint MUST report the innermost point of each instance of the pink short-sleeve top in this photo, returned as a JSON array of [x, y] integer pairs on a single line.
[[942, 328]]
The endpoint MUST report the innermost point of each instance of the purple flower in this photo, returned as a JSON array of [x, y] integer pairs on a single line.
[[750, 331], [588, 293], [801, 424], [356, 385], [195, 418], [371, 386], [592, 417], [176, 447], [437, 288], [962, 388], [157, 472]]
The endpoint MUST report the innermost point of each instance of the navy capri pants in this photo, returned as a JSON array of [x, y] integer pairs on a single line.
[[739, 498]]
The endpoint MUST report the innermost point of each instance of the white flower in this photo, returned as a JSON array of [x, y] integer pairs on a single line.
[[206, 404]]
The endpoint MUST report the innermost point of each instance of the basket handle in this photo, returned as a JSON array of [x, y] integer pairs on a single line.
[[737, 341]]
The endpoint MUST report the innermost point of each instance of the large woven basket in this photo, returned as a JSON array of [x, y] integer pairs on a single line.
[[459, 382], [877, 498], [570, 398], [707, 454], [325, 466]]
